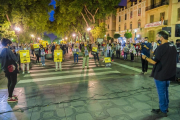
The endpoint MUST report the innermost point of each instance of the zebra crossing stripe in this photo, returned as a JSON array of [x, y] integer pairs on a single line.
[[62, 72], [126, 66], [65, 77]]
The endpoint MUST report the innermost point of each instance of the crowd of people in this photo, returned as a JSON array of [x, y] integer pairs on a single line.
[[164, 58]]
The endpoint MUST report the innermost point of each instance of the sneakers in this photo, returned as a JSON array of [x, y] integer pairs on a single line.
[[16, 97], [28, 72], [12, 99], [159, 112], [23, 73]]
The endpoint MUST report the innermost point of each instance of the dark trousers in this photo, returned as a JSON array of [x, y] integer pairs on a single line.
[[37, 58], [67, 49], [96, 55], [132, 56], [112, 58], [118, 53], [144, 65], [12, 80]]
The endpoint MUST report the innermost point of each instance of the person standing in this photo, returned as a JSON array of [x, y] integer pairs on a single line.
[[85, 50], [118, 48], [58, 64], [37, 53], [25, 64], [75, 52], [145, 49], [9, 64], [132, 51], [164, 71], [52, 50], [126, 50], [42, 52]]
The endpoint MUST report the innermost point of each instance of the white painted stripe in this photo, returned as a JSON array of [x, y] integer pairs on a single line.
[[64, 77], [46, 69], [126, 66], [62, 72], [69, 64]]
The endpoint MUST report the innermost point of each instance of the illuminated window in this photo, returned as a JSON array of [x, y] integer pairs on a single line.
[[125, 16], [139, 12], [151, 18], [131, 14]]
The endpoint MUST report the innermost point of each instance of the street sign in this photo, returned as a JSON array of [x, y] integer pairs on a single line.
[[58, 55], [24, 56]]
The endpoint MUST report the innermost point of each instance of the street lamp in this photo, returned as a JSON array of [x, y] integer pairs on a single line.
[[88, 29], [17, 29], [32, 38], [66, 38]]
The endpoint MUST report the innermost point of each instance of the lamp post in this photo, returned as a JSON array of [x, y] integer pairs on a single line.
[[89, 29], [17, 29], [32, 37], [74, 35]]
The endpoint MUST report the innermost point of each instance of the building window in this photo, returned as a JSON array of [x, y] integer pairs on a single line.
[[108, 26], [125, 26], [139, 23], [178, 14], [162, 15], [125, 16], [151, 18], [119, 9], [119, 28], [130, 25], [131, 14], [119, 18], [139, 12]]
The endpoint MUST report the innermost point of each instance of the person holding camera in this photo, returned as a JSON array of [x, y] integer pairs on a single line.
[[164, 70], [9, 64]]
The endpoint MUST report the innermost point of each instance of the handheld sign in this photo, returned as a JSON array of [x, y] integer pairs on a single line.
[[58, 55], [24, 56], [44, 43], [107, 61], [36, 46], [94, 49]]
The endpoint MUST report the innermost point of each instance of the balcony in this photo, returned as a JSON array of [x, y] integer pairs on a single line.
[[156, 5]]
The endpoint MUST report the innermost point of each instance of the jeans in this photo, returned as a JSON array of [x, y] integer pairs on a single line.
[[43, 60], [75, 57], [96, 55], [125, 55], [12, 80], [162, 89], [85, 61]]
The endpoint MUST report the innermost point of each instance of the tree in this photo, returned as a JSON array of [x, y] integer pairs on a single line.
[[109, 38], [116, 36], [57, 40], [86, 10], [46, 38], [128, 35], [99, 31]]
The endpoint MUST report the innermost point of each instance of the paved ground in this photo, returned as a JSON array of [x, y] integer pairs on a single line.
[[116, 93]]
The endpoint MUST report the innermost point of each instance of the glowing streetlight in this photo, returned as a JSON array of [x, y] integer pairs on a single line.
[[74, 35], [38, 38], [32, 36], [17, 29], [88, 29], [66, 38]]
